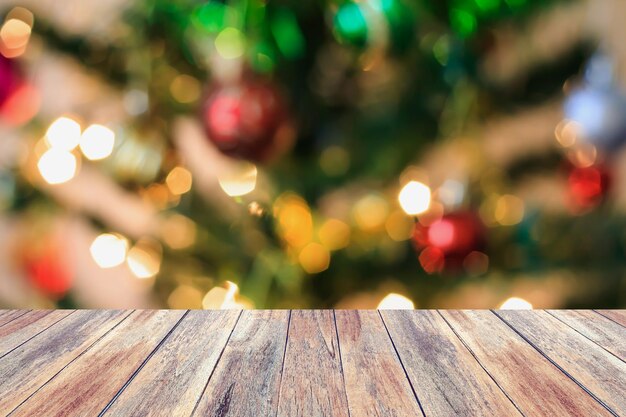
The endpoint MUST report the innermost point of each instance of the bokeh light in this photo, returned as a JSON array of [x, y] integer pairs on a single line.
[[97, 142], [393, 301], [57, 166], [144, 259], [516, 303], [64, 134], [314, 258], [109, 250], [414, 198], [240, 180], [179, 180]]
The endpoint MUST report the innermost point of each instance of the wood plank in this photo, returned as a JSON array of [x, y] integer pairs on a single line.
[[6, 316], [246, 381], [27, 326], [534, 384], [29, 366], [618, 316], [376, 384], [87, 385], [312, 382], [447, 378], [606, 333], [598, 371], [172, 381]]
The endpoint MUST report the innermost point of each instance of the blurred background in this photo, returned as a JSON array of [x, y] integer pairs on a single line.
[[296, 154]]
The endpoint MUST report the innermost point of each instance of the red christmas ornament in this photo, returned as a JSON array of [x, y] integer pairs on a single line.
[[9, 79], [588, 186], [48, 272], [447, 241], [247, 120]]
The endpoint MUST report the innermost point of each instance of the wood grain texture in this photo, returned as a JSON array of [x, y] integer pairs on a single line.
[[246, 381], [312, 382], [172, 381], [446, 377], [21, 329], [87, 385], [606, 333], [598, 371], [6, 316], [618, 316], [29, 366], [376, 384], [534, 384]]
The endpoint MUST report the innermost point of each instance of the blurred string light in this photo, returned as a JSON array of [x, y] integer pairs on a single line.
[[334, 234], [314, 258], [225, 298], [414, 198], [393, 301], [178, 231], [144, 259], [15, 32], [230, 43], [63, 134], [370, 212], [240, 180], [109, 250], [295, 222], [97, 142], [516, 303], [57, 166], [179, 181]]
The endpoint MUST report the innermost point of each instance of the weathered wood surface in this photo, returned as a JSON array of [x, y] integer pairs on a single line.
[[446, 378], [376, 383], [598, 371], [312, 383], [604, 332], [246, 381], [312, 363], [533, 383]]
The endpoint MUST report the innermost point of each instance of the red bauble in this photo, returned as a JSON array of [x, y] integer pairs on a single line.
[[48, 272], [588, 186], [447, 241], [9, 79], [248, 120]]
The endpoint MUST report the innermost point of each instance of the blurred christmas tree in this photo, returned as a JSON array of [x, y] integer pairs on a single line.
[[243, 153]]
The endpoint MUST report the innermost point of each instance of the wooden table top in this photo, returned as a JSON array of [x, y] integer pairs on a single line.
[[312, 363]]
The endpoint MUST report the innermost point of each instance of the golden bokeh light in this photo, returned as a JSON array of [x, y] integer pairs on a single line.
[[97, 142], [583, 155], [393, 301], [399, 226], [57, 166], [109, 250], [295, 223], [334, 234], [185, 297], [15, 34], [370, 212], [179, 181], [414, 198], [144, 259], [509, 210], [185, 89], [240, 180], [516, 303], [178, 231], [230, 43], [567, 132], [63, 134], [225, 298], [314, 258]]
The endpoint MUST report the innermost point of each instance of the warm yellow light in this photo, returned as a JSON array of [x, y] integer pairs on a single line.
[[295, 223], [230, 43], [239, 181], [57, 166], [516, 303], [178, 232], [97, 142], [334, 234], [185, 89], [63, 133], [179, 181], [395, 301], [399, 226], [15, 33], [314, 258], [509, 210], [222, 298], [567, 132], [109, 250], [143, 261], [185, 297], [414, 198], [370, 212]]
